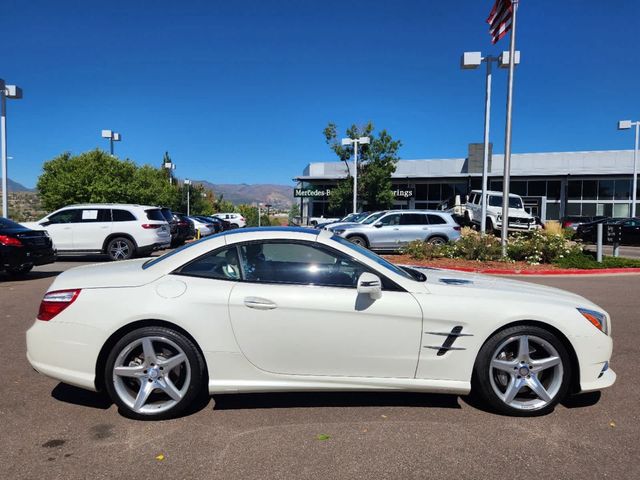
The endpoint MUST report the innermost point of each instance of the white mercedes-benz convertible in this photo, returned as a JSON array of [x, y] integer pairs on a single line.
[[290, 309]]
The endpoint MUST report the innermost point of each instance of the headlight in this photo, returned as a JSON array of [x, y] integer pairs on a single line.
[[597, 319], [338, 231], [499, 217]]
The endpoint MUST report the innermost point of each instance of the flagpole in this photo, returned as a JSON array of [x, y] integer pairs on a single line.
[[507, 135]]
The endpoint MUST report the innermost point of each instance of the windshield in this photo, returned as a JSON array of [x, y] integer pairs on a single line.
[[372, 256], [496, 201], [373, 217]]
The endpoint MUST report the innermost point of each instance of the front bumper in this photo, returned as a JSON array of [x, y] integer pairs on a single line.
[[64, 351]]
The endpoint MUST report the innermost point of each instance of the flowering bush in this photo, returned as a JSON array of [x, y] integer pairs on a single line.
[[533, 247]]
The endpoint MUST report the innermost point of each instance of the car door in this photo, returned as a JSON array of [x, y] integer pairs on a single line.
[[92, 229], [438, 226], [297, 311], [631, 232], [385, 233], [60, 225], [413, 226]]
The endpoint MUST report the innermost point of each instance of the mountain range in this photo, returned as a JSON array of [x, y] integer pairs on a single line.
[[279, 196]]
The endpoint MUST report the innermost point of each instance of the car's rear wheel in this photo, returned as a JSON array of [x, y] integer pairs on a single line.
[[522, 371], [154, 373], [19, 271], [234, 226], [358, 240], [437, 240], [120, 248]]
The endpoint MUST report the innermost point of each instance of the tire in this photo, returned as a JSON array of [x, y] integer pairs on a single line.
[[437, 240], [20, 271], [358, 240], [489, 226], [233, 226], [467, 219], [143, 358], [120, 248], [517, 381]]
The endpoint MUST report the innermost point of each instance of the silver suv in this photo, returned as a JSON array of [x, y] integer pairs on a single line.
[[395, 229]]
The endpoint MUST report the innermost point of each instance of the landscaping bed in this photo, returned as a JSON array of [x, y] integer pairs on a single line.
[[470, 265]]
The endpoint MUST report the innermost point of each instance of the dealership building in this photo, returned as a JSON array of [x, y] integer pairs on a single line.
[[553, 185]]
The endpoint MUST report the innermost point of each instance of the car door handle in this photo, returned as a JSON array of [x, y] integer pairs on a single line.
[[259, 303]]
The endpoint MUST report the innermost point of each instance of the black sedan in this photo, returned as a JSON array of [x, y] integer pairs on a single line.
[[630, 230], [22, 248], [185, 229]]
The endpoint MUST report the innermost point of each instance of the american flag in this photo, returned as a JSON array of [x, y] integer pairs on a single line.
[[499, 19]]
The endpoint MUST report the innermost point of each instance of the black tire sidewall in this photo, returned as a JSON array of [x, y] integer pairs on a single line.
[[437, 240], [481, 386], [362, 241], [196, 362], [132, 248]]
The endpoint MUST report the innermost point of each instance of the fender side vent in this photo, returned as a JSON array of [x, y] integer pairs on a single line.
[[448, 342]]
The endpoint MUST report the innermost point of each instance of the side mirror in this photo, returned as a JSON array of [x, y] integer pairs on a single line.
[[370, 284], [45, 223], [377, 225]]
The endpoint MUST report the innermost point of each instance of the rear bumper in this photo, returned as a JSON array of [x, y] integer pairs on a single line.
[[66, 352], [17, 257]]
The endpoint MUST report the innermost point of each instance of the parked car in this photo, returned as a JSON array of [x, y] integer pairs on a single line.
[[351, 218], [203, 228], [588, 232], [519, 218], [291, 309], [456, 206], [121, 231], [235, 219], [172, 222], [396, 229], [186, 229], [574, 221], [313, 221], [214, 224], [367, 220], [222, 225], [22, 248]]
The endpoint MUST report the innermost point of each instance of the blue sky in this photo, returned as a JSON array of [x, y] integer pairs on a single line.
[[239, 91]]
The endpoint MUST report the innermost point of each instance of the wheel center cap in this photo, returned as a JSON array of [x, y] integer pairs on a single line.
[[523, 371], [153, 373]]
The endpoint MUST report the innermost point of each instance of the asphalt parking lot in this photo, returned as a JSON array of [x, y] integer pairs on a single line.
[[53, 431]]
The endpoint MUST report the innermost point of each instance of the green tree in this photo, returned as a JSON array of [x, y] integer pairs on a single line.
[[294, 214], [376, 163], [97, 177], [250, 213]]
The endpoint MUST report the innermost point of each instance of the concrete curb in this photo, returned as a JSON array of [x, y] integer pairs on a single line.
[[557, 271]]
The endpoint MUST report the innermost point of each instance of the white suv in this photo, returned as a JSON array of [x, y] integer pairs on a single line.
[[120, 231], [519, 219], [235, 219]]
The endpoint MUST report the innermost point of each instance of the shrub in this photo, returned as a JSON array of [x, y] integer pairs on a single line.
[[419, 250], [553, 227], [587, 261], [540, 247], [473, 246]]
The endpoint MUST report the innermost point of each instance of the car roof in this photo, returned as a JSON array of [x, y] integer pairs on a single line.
[[495, 192], [110, 205]]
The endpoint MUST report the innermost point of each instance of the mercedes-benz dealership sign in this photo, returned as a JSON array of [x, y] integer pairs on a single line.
[[311, 192]]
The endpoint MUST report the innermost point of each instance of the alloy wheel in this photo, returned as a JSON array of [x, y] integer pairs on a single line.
[[119, 250], [151, 375], [526, 372]]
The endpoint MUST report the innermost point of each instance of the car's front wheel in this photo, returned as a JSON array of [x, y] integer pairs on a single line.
[[522, 371], [358, 240], [154, 373]]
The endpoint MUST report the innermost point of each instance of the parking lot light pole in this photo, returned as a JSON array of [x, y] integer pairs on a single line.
[[113, 137], [187, 183], [355, 142], [625, 125], [471, 61], [6, 91]]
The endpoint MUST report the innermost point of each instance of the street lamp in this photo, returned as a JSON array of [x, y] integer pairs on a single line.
[[169, 167], [626, 125], [6, 91], [471, 61], [187, 182], [355, 142], [113, 137]]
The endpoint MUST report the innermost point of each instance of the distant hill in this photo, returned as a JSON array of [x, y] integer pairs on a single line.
[[16, 187], [280, 196]]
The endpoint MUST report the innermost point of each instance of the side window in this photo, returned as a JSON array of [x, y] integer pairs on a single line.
[[436, 219], [495, 201], [221, 264], [66, 216], [92, 215], [473, 198], [298, 263], [122, 215], [413, 219], [393, 219]]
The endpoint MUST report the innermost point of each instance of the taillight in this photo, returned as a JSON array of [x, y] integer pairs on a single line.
[[183, 224], [55, 302], [242, 218], [151, 225], [8, 241]]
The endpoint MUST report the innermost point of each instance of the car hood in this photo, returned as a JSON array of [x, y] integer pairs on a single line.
[[32, 225], [127, 273], [518, 213], [344, 225], [492, 286]]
